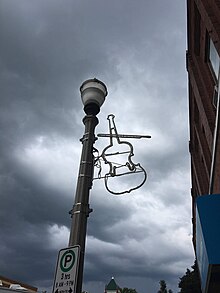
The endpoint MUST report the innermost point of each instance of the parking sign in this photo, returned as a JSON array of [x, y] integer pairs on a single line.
[[66, 270]]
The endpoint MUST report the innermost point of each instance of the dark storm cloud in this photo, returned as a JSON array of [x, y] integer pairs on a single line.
[[27, 209], [113, 224], [47, 49]]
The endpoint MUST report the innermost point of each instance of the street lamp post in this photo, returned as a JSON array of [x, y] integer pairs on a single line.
[[93, 93]]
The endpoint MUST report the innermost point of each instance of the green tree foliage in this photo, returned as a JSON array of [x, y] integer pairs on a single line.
[[127, 290], [190, 282], [163, 287]]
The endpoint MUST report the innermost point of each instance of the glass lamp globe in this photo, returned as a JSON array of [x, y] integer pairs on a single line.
[[93, 93]]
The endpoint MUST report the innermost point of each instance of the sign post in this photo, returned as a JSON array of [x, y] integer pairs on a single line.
[[66, 270]]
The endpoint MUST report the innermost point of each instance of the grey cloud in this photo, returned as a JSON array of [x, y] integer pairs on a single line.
[[47, 49]]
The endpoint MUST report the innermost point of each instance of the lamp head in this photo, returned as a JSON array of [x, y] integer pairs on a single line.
[[93, 93]]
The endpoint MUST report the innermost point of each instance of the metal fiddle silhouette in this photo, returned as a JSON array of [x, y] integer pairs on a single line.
[[124, 164]]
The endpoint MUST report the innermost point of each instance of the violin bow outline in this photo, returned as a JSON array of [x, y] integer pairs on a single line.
[[132, 167]]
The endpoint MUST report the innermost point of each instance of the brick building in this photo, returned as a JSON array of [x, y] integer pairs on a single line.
[[203, 32], [203, 69]]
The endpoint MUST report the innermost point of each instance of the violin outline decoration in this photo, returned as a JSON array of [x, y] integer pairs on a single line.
[[113, 167]]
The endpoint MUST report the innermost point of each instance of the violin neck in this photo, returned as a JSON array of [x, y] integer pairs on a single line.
[[112, 127]]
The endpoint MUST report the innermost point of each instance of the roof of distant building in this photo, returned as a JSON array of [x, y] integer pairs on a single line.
[[112, 286], [5, 282]]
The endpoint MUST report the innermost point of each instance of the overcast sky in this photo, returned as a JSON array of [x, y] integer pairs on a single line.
[[137, 48]]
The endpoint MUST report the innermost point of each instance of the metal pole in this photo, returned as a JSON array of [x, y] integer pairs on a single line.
[[81, 210]]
